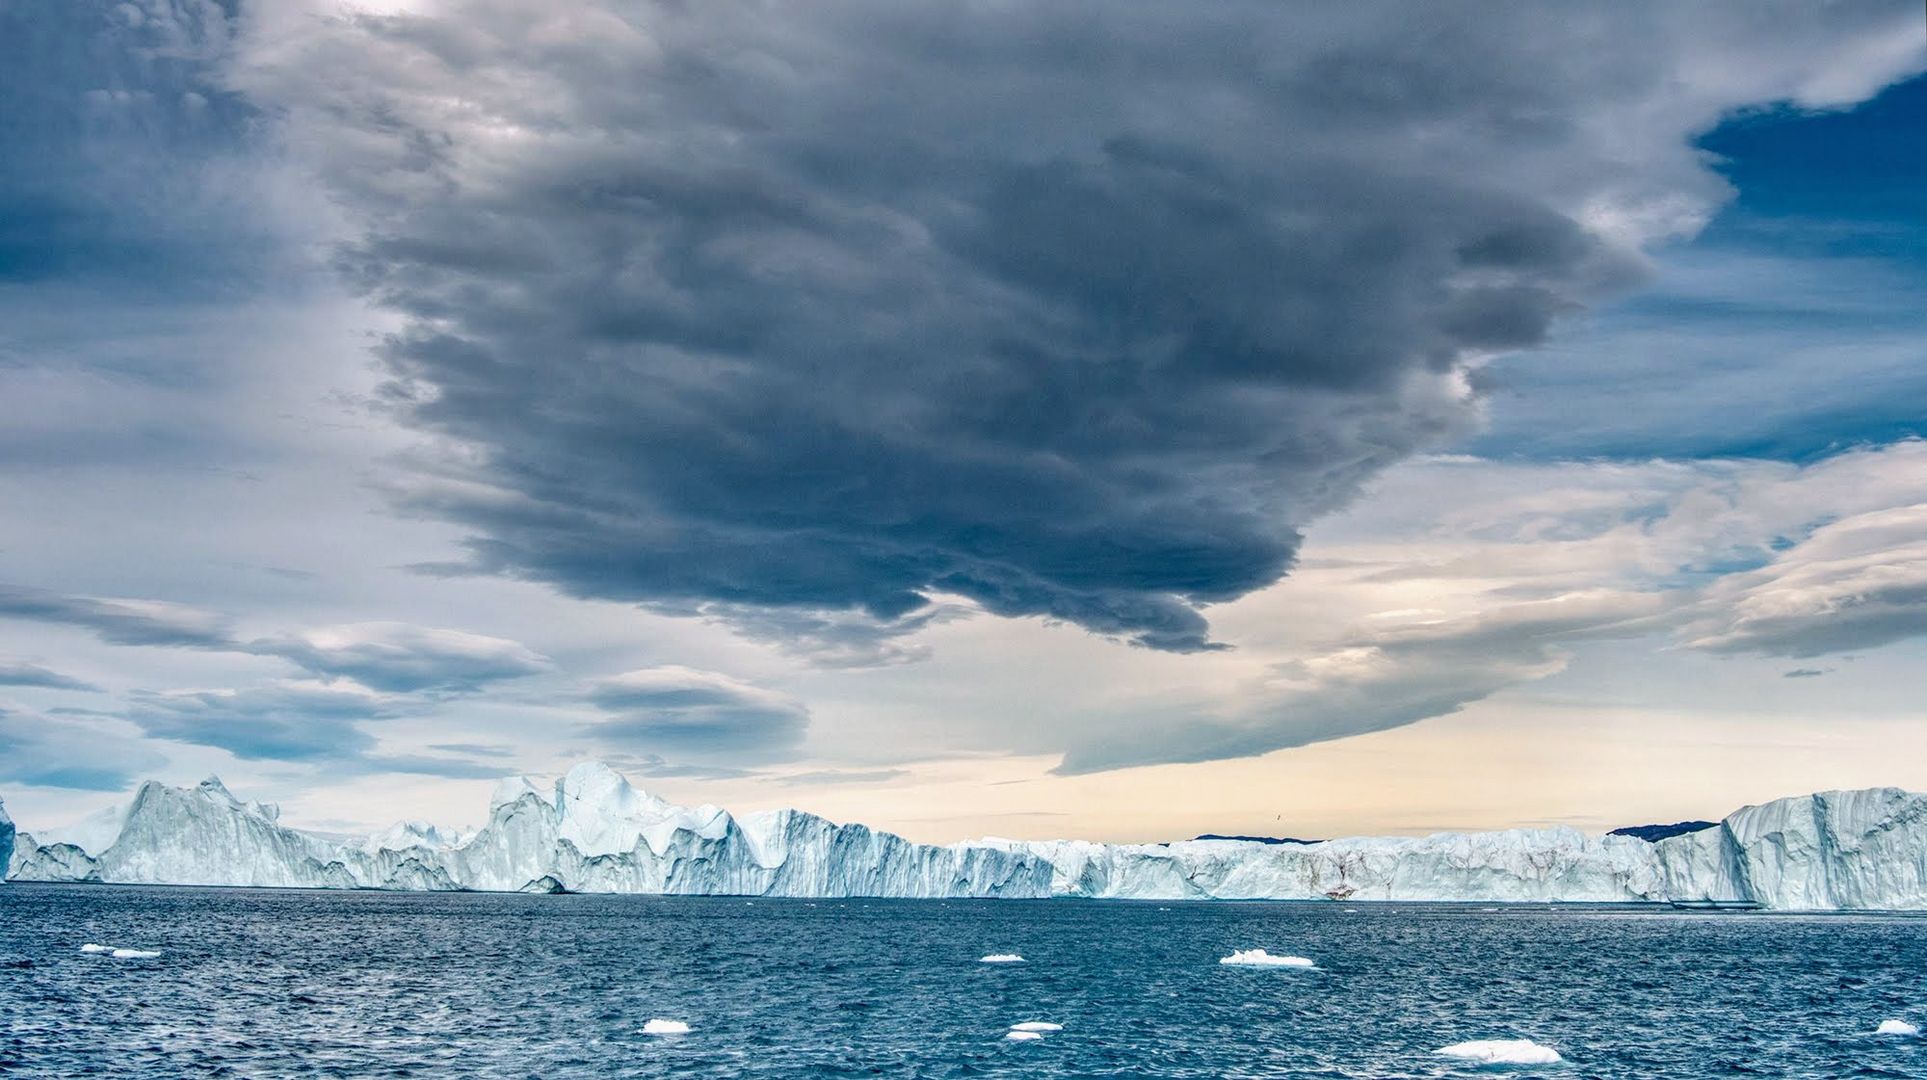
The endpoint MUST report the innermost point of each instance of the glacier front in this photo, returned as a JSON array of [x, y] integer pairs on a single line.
[[592, 831]]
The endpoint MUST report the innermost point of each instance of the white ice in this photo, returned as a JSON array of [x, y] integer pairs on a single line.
[[594, 833], [1036, 1025], [1022, 1036], [1261, 958], [1502, 1052], [1002, 958], [1896, 1027], [659, 1026], [90, 947], [136, 954]]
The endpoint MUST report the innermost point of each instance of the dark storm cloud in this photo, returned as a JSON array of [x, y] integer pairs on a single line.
[[684, 713], [1076, 311], [20, 673]]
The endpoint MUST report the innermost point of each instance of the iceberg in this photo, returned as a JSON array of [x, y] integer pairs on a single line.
[[1002, 958], [90, 948], [136, 954], [1022, 1036], [592, 831], [1037, 1026], [1261, 958], [1896, 1027], [660, 1026], [1502, 1052], [6, 836]]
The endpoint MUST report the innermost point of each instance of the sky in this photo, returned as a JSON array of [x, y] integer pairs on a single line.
[[1118, 420]]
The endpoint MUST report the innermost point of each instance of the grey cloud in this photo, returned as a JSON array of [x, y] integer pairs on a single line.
[[1078, 312], [386, 656], [63, 753], [841, 776], [307, 723], [1377, 681], [653, 765], [684, 713], [123, 151], [1804, 673], [447, 768], [1856, 583], [21, 673], [284, 722], [120, 622], [401, 658]]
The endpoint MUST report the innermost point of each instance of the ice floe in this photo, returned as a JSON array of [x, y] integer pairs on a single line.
[[1896, 1027], [136, 954], [659, 1026], [1037, 1025], [1002, 958], [1502, 1052], [1022, 1036], [1261, 958]]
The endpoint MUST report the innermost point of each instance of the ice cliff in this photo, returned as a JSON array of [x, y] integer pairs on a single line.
[[6, 837], [593, 832]]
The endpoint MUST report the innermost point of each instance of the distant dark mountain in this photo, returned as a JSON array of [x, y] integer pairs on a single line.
[[1652, 834], [1258, 839]]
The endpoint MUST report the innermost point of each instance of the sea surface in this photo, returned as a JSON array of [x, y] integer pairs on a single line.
[[257, 983]]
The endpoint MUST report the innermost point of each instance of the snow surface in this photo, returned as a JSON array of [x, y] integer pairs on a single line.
[[1896, 1027], [593, 832], [1002, 958], [659, 1026], [1502, 1052], [1261, 958]]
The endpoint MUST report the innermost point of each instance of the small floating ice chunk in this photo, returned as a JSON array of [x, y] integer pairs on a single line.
[[659, 1026], [1261, 958], [1502, 1052], [1037, 1025], [1896, 1027], [90, 947], [136, 954], [1002, 958], [1021, 1036]]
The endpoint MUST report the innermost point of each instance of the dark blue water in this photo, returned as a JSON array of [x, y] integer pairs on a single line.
[[273, 984]]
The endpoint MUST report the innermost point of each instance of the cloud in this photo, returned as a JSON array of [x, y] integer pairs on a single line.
[[402, 658], [127, 162], [1804, 673], [841, 776], [66, 753], [279, 722], [120, 622], [687, 713], [1464, 578], [1857, 583], [1378, 680], [1078, 312], [385, 656], [21, 673]]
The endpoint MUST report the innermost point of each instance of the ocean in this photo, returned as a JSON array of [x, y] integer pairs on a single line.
[[255, 983]]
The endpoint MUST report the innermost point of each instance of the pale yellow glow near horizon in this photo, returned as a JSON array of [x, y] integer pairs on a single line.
[[1499, 764]]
